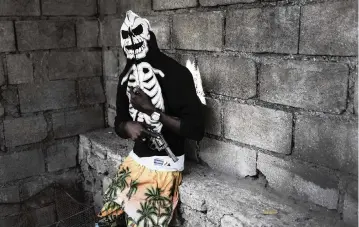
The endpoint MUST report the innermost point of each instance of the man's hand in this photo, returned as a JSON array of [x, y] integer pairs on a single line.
[[133, 129], [141, 102]]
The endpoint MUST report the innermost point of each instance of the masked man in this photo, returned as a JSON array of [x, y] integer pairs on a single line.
[[154, 92]]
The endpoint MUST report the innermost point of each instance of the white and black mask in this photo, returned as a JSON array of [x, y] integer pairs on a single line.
[[135, 34]]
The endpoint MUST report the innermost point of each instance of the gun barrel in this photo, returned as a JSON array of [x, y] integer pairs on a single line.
[[171, 155], [150, 133]]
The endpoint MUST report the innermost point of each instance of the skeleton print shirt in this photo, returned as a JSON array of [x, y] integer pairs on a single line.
[[171, 89]]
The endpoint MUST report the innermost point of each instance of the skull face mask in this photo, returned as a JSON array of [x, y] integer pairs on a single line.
[[135, 35]]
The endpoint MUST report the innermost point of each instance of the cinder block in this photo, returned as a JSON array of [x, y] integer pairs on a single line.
[[2, 110], [79, 121], [198, 31], [10, 220], [213, 117], [110, 64], [114, 161], [40, 61], [91, 91], [99, 150], [111, 35], [87, 33], [317, 185], [7, 36], [46, 96], [273, 29], [10, 96], [173, 4], [356, 95], [69, 7], [111, 114], [20, 69], [107, 6], [10, 101], [228, 158], [62, 155], [137, 6], [74, 64], [45, 215], [100, 165], [9, 209], [10, 194], [21, 165], [25, 130], [183, 58], [33, 187], [33, 35], [2, 73], [230, 76], [20, 8], [262, 127], [111, 92], [350, 209], [222, 2], [84, 148], [160, 26], [329, 28], [328, 141], [319, 86], [2, 137]]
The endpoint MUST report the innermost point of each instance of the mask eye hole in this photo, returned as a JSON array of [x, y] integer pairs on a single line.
[[124, 34], [138, 30]]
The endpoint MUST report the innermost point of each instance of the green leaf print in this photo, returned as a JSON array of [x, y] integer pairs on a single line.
[[119, 182], [133, 188], [147, 212], [154, 196]]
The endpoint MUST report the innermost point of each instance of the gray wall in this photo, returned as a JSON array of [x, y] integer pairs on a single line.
[[280, 79], [51, 91]]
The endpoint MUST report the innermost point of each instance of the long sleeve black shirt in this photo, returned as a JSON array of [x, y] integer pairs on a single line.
[[180, 100]]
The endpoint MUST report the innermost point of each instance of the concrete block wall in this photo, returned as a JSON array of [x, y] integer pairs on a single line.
[[208, 198], [51, 90], [280, 79]]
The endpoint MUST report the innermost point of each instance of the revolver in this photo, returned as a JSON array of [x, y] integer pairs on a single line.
[[159, 143]]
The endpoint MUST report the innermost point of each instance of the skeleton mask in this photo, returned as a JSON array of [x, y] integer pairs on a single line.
[[135, 35]]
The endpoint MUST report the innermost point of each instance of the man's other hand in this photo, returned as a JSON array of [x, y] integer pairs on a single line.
[[141, 102], [133, 129]]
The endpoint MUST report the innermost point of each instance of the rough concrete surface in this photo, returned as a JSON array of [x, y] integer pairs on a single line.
[[329, 141], [263, 30], [187, 35], [280, 78], [228, 158], [310, 85], [254, 125], [329, 28], [45, 96], [209, 198], [237, 202], [230, 76], [318, 185], [34, 35]]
